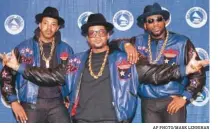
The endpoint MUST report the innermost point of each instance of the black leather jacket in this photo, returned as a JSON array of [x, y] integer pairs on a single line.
[[155, 74]]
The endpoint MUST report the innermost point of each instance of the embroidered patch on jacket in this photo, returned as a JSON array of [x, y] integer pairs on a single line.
[[71, 69], [73, 65], [4, 74], [194, 83], [170, 56], [74, 60], [27, 60], [6, 87], [143, 48], [124, 69], [26, 55], [26, 51], [64, 56]]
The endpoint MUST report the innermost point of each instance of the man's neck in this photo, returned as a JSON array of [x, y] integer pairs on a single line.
[[96, 50]]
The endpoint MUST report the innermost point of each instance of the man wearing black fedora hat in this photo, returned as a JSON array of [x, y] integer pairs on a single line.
[[103, 83], [165, 103], [35, 103]]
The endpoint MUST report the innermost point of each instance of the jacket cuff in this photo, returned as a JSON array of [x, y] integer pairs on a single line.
[[21, 68], [182, 70], [12, 98], [187, 94]]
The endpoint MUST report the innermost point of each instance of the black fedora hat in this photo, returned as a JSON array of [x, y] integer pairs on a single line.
[[150, 10], [50, 12], [96, 19]]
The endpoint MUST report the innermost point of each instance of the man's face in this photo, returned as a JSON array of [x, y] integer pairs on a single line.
[[97, 37], [155, 24], [48, 27]]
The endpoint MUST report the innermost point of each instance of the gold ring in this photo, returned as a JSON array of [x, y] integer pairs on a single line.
[[194, 67]]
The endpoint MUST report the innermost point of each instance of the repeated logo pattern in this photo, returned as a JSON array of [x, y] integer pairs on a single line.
[[14, 24], [196, 17]]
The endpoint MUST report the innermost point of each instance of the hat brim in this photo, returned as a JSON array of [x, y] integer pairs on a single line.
[[109, 27], [40, 16], [141, 18]]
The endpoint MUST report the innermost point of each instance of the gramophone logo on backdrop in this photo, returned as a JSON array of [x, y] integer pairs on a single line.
[[202, 98], [196, 17], [5, 103], [202, 53], [14, 24], [83, 18], [123, 20]]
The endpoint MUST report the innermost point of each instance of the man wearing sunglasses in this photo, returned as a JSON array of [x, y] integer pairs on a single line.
[[165, 103], [103, 83]]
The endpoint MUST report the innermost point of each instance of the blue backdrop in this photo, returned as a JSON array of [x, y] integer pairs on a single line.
[[188, 17]]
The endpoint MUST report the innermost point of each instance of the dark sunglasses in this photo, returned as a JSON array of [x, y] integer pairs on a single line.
[[158, 19], [101, 33]]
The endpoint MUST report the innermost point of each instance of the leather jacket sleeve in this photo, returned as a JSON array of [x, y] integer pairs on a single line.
[[196, 80], [46, 77], [8, 81], [156, 74]]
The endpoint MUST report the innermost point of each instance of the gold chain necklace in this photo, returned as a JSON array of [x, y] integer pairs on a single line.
[[102, 66], [47, 60], [161, 51]]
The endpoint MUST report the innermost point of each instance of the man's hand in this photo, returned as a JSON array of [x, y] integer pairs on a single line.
[[132, 54], [3, 58], [19, 112], [10, 60], [175, 104], [195, 65]]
